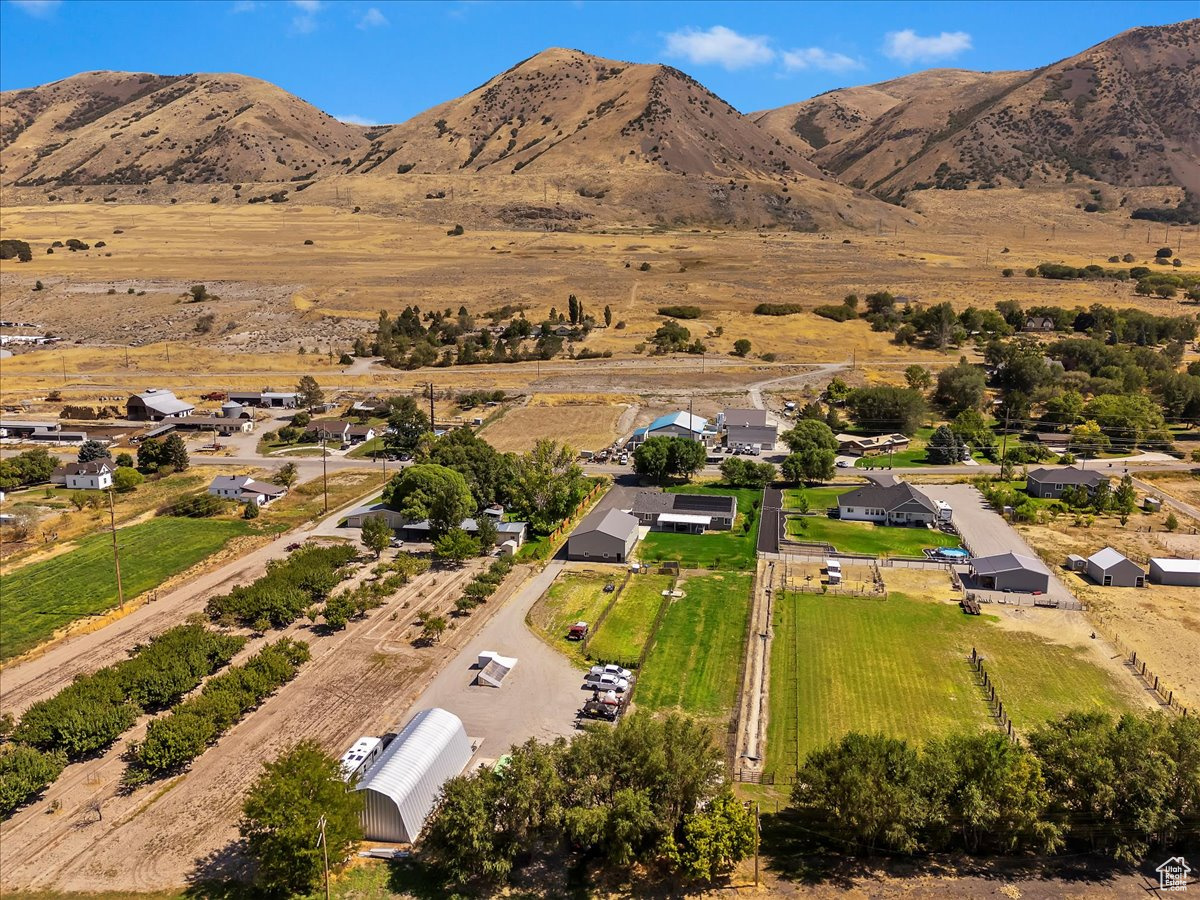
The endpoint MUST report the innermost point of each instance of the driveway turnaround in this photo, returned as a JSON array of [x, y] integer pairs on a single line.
[[986, 532], [538, 698]]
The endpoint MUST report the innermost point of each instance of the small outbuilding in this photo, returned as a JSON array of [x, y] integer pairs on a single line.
[[1185, 572], [400, 790], [606, 535], [1011, 572], [1109, 568]]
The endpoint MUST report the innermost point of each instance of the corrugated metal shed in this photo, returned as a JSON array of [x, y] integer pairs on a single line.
[[401, 789]]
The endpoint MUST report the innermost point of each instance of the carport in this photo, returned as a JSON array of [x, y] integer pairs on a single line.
[[684, 522]]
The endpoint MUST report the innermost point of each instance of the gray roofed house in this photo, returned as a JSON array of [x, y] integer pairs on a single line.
[[605, 535], [741, 418], [898, 503], [1050, 482], [156, 404], [1011, 572], [689, 513], [1108, 568]]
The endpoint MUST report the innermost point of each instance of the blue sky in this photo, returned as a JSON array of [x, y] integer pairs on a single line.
[[376, 61]]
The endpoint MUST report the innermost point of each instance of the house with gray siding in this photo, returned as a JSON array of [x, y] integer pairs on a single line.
[[894, 503], [1049, 483], [688, 513]]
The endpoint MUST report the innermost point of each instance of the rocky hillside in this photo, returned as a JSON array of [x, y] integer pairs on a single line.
[[130, 128], [1123, 112]]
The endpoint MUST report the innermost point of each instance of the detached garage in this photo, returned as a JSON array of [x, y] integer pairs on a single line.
[[1011, 572], [604, 536], [402, 788], [1109, 568], [1184, 572]]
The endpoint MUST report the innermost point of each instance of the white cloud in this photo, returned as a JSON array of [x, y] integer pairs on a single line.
[[306, 22], [356, 120], [818, 58], [372, 18], [39, 8], [908, 47], [720, 45]]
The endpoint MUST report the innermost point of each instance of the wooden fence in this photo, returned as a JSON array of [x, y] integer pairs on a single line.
[[1141, 671], [995, 704]]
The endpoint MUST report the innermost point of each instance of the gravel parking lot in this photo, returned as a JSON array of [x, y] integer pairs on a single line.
[[985, 531]]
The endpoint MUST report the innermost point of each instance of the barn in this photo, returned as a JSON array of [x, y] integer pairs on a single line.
[[1109, 568], [401, 789], [1184, 572]]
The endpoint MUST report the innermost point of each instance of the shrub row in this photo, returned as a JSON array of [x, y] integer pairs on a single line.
[[177, 739], [289, 587], [24, 773], [680, 312], [90, 713], [199, 506], [778, 309], [838, 312]]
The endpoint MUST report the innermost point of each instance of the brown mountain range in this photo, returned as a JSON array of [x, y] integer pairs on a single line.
[[623, 140], [1123, 112]]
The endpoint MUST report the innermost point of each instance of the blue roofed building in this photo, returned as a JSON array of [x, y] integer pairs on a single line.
[[676, 424]]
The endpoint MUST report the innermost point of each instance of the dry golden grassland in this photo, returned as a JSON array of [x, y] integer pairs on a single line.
[[1162, 623], [277, 295], [581, 427]]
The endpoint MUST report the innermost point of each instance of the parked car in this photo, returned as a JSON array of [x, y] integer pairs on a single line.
[[612, 669], [295, 546], [598, 709], [606, 682], [624, 459], [845, 464], [577, 632], [609, 588]]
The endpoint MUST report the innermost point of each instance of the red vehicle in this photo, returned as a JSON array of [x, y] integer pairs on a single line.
[[577, 632], [213, 395], [295, 546]]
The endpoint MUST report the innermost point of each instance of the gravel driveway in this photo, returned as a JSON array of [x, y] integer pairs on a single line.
[[538, 699], [985, 531]]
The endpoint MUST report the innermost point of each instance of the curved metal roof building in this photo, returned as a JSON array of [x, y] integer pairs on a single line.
[[403, 786]]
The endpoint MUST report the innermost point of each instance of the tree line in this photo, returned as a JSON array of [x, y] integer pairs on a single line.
[[1121, 787]]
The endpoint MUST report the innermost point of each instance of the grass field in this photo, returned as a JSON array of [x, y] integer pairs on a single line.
[[582, 427], [818, 498], [867, 537], [42, 597], [717, 549], [899, 667], [625, 630], [694, 662], [573, 597]]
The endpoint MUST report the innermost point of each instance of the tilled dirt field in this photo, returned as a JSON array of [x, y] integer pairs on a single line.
[[85, 836]]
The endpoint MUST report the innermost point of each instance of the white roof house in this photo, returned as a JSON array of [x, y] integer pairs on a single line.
[[401, 789]]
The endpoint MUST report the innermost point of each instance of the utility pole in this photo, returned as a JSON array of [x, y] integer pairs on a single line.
[[432, 426], [112, 521], [324, 854], [324, 470], [1004, 440]]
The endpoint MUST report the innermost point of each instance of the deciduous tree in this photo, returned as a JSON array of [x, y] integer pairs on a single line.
[[376, 534]]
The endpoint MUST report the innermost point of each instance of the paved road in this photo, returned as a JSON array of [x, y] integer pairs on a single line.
[[986, 532], [1181, 506], [538, 699]]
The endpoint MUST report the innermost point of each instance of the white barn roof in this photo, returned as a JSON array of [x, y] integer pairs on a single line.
[[402, 788], [1178, 566]]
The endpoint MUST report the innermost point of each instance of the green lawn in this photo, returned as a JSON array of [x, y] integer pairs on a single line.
[[899, 666], [867, 537], [41, 597], [716, 549], [912, 458], [573, 597], [696, 656], [818, 498], [624, 632]]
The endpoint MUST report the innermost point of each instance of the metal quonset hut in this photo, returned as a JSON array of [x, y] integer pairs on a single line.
[[403, 786]]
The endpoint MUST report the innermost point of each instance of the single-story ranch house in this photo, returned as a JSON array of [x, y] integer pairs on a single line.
[[857, 445], [891, 502], [1050, 482], [689, 513]]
